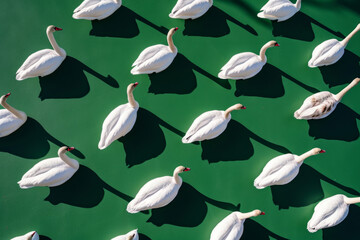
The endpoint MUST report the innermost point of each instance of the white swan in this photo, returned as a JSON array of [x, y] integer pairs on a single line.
[[50, 172], [232, 226], [132, 235], [156, 58], [120, 121], [330, 212], [283, 169], [96, 9], [29, 236], [10, 118], [322, 104], [185, 9], [279, 10], [210, 124], [157, 193], [330, 51], [43, 62], [245, 65]]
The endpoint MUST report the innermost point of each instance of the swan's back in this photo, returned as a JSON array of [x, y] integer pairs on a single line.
[[328, 52], [95, 9], [280, 10], [230, 228], [9, 123], [185, 9]]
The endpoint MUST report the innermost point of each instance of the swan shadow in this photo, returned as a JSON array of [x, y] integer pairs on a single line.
[[31, 141], [42, 237], [213, 24], [267, 83], [255, 231], [70, 81], [304, 190], [146, 140], [339, 125], [348, 229], [234, 144], [343, 71], [121, 24], [179, 78], [189, 207], [143, 237]]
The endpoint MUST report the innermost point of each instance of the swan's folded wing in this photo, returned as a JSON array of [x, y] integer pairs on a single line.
[[97, 10], [280, 10], [85, 4], [43, 166], [147, 53], [201, 121], [246, 69], [323, 48], [332, 55], [274, 4], [193, 9], [238, 59], [33, 58], [181, 4], [277, 163], [228, 228]]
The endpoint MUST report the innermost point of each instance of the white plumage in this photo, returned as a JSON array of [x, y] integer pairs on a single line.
[[120, 121], [190, 9], [50, 172], [279, 10], [29, 236], [209, 125], [132, 235], [43, 62], [96, 9], [157, 193], [10, 118]]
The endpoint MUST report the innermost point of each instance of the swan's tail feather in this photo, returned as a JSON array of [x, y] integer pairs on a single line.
[[130, 208], [222, 75]]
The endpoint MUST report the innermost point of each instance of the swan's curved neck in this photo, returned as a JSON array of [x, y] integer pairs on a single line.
[[15, 112], [304, 156], [242, 216], [352, 200], [71, 162], [131, 98], [171, 42], [176, 177], [347, 39], [341, 94], [53, 42], [229, 110], [262, 52], [298, 4]]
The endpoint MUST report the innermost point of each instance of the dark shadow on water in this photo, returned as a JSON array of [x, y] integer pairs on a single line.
[[267, 83], [42, 237], [188, 209], [31, 141], [213, 24], [234, 144], [305, 189], [339, 125], [255, 231], [179, 78], [122, 24], [343, 71], [70, 81], [146, 140], [143, 237]]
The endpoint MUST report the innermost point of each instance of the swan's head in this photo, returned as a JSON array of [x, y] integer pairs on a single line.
[[181, 169], [173, 30], [273, 44], [132, 86], [52, 28], [65, 149], [239, 106], [4, 97], [133, 235], [258, 212], [317, 151]]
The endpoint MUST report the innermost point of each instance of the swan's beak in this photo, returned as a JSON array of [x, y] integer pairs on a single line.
[[7, 94], [176, 28], [322, 151], [70, 148], [243, 107], [135, 84], [58, 29], [33, 234], [277, 45], [262, 213], [187, 169]]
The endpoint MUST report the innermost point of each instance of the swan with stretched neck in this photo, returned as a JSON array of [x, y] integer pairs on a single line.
[[279, 10], [322, 104], [330, 51], [245, 65], [283, 169], [10, 118], [96, 9], [120, 121], [330, 212], [43, 62], [132, 235], [210, 124], [156, 58], [190, 9], [158, 192], [51, 172], [232, 226]]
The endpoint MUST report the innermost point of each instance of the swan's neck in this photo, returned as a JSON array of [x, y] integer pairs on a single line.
[[304, 156], [298, 4], [131, 98], [347, 39], [171, 42], [71, 162], [15, 112], [243, 216], [229, 110], [53, 43], [176, 177], [352, 200], [262, 52], [341, 94]]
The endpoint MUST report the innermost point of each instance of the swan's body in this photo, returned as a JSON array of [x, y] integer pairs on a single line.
[[43, 62], [322, 104], [156, 58], [10, 118], [132, 235], [209, 125], [232, 226], [330, 51], [279, 10], [245, 65], [96, 9], [330, 212], [50, 172], [29, 236], [190, 9], [157, 193], [282, 169], [120, 121]]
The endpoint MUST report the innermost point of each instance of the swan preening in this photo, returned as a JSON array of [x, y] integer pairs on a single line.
[[279, 10], [330, 51], [245, 65], [43, 62], [158, 192], [210, 124], [96, 9], [156, 58], [322, 104], [120, 121], [29, 236], [50, 172], [232, 226], [283, 169], [330, 212], [190, 9], [132, 235], [10, 118]]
